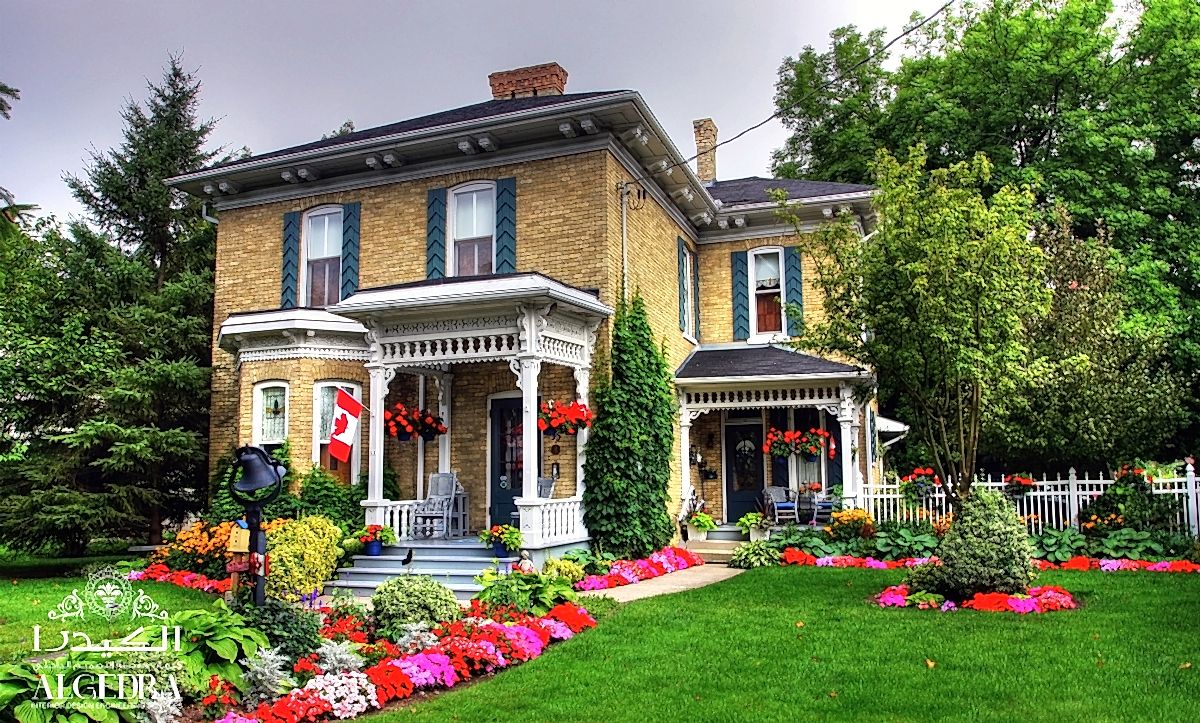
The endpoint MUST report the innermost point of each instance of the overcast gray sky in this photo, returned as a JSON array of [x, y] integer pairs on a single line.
[[278, 74]]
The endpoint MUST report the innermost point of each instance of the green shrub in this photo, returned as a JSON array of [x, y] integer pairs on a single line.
[[813, 541], [986, 550], [1059, 545], [212, 640], [556, 567], [532, 592], [1129, 503], [412, 599], [754, 554], [303, 554], [1174, 545], [293, 631]]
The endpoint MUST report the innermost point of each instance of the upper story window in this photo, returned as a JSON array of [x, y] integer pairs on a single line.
[[689, 293], [324, 394], [323, 256], [270, 410], [472, 234], [766, 285]]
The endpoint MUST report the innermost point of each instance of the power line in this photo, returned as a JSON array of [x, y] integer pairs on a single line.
[[778, 113]]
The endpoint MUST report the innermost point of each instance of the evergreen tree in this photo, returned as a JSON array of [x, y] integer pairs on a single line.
[[628, 464]]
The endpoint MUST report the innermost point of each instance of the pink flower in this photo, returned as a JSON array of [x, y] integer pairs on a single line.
[[894, 596], [875, 564]]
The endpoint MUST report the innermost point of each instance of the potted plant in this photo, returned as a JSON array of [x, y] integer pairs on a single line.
[[374, 537], [918, 485], [810, 444], [401, 421], [429, 425], [699, 523], [503, 539], [555, 418], [756, 525], [1017, 485]]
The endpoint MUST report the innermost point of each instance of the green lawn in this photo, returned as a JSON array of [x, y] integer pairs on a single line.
[[734, 652], [25, 603]]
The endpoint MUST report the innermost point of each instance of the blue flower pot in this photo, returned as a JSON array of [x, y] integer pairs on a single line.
[[499, 550], [374, 548]]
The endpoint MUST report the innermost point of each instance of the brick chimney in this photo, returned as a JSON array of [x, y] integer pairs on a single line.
[[545, 79], [706, 152]]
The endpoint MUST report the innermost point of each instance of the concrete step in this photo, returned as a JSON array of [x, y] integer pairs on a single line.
[[728, 532], [422, 562], [379, 574], [713, 550]]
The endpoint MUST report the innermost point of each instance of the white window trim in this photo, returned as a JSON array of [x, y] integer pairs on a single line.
[[691, 298], [302, 272], [356, 453], [757, 337], [451, 213], [256, 409]]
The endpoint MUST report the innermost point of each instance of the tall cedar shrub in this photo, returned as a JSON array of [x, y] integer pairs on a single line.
[[628, 465], [986, 550]]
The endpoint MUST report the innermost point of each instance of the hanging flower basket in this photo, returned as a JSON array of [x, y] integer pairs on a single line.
[[555, 418], [1018, 485], [404, 422], [785, 443], [919, 485]]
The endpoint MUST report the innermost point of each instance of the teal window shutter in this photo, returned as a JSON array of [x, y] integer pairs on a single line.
[[696, 293], [741, 295], [506, 226], [435, 233], [793, 288], [682, 264], [351, 212], [291, 259]]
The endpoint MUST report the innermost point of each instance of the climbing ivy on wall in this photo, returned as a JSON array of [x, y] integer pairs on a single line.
[[628, 464]]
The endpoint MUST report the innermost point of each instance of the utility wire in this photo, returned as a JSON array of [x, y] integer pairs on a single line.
[[778, 113]]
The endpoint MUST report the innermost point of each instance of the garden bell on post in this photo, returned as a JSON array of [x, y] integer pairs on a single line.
[[258, 472]]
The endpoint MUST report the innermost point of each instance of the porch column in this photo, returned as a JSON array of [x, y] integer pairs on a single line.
[[445, 384], [531, 448], [849, 443], [582, 381], [375, 502], [685, 462], [422, 396]]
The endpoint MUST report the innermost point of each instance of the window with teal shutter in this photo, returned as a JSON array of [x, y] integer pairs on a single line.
[[506, 226], [351, 212], [741, 295], [291, 260], [435, 233], [683, 290], [793, 289]]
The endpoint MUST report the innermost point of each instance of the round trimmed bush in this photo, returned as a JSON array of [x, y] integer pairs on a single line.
[[411, 599], [986, 550]]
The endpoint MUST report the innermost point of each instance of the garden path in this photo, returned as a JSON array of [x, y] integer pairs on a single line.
[[688, 579]]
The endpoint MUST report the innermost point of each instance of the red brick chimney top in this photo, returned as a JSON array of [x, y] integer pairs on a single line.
[[545, 79]]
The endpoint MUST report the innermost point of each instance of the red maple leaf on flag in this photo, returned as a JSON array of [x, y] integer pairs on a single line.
[[339, 425]]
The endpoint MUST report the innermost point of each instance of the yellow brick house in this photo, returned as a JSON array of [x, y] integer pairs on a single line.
[[468, 262]]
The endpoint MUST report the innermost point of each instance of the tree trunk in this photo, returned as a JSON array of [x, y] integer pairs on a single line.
[[156, 536]]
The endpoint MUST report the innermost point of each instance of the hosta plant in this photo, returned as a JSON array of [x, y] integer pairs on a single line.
[[1059, 545], [904, 542], [1127, 543], [754, 554], [531, 592]]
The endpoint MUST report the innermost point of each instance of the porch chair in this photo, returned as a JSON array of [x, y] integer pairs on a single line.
[[432, 517], [545, 486], [780, 503], [818, 510]]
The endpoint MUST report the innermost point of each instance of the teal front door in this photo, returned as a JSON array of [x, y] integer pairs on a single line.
[[744, 469], [507, 461]]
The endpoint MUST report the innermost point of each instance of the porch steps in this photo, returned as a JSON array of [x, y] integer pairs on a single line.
[[454, 563], [727, 533], [711, 550]]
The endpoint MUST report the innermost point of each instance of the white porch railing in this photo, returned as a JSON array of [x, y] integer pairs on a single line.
[[548, 521], [1053, 503], [400, 515]]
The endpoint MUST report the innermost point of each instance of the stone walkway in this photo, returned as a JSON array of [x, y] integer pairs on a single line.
[[688, 579]]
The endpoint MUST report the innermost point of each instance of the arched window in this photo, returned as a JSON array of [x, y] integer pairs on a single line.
[[472, 233], [322, 253], [270, 415], [324, 393]]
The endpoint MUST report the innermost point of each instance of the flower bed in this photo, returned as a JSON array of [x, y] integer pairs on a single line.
[[489, 640], [1043, 599], [159, 572], [628, 572], [1106, 565]]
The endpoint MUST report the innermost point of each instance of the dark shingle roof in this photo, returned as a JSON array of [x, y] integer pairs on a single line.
[[756, 361], [457, 115], [754, 189]]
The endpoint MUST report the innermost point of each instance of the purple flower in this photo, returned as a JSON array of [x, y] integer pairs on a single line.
[[949, 606], [875, 564], [1110, 565], [824, 561], [1023, 605]]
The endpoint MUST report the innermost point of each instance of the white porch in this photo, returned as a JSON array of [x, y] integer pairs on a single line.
[[432, 329]]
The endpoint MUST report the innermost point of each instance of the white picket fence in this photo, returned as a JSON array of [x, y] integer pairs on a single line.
[[1054, 503]]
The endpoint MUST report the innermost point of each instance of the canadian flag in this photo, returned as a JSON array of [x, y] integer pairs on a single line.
[[346, 411]]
